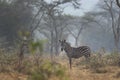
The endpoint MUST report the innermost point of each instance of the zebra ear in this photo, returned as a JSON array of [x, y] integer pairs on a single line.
[[60, 41], [64, 40]]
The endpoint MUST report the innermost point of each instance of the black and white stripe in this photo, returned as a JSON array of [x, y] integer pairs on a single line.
[[73, 52]]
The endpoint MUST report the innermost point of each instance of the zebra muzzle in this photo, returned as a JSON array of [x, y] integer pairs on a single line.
[[61, 49]]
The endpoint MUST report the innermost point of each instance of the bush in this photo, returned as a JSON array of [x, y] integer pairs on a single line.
[[7, 61], [48, 70], [113, 59], [95, 63], [37, 75]]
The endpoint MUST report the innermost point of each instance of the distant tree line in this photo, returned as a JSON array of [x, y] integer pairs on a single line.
[[31, 16], [48, 18], [14, 16]]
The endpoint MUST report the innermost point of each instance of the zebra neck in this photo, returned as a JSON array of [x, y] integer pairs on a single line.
[[68, 50]]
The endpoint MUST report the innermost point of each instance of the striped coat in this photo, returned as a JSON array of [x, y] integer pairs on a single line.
[[73, 52]]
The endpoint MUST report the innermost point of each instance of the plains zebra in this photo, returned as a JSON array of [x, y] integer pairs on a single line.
[[73, 52]]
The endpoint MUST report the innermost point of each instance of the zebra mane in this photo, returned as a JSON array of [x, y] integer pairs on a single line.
[[68, 43]]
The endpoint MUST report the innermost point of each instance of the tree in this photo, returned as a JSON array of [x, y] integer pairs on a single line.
[[12, 19], [74, 28], [118, 3], [78, 24], [107, 17], [52, 20], [115, 21]]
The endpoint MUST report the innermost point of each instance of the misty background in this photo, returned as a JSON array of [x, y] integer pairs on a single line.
[[95, 23]]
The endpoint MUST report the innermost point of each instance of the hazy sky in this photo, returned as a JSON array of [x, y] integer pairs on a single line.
[[86, 5]]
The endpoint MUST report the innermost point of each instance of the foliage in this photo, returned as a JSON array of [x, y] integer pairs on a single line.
[[7, 60], [37, 45], [96, 62], [113, 59], [23, 33], [13, 18], [48, 70]]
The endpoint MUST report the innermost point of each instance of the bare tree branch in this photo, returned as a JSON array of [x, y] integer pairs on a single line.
[[118, 3]]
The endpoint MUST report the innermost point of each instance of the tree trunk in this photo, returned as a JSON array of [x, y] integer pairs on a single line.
[[116, 44], [76, 41], [56, 45], [56, 41], [118, 4], [51, 49]]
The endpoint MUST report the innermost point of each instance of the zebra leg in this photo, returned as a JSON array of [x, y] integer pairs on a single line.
[[87, 57], [70, 62]]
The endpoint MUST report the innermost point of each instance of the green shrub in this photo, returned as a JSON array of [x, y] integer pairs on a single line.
[[37, 75], [47, 70]]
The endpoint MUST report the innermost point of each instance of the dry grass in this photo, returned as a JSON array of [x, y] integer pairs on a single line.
[[82, 72], [75, 74], [86, 74], [79, 71]]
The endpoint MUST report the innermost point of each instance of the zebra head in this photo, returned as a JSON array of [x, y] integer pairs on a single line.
[[63, 44]]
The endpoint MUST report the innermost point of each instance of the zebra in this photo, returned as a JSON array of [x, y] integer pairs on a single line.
[[73, 52]]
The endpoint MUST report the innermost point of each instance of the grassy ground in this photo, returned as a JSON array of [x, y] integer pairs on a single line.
[[79, 71], [83, 72]]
